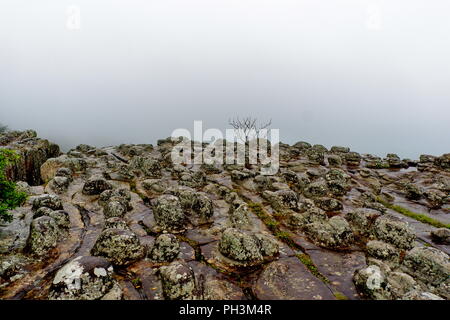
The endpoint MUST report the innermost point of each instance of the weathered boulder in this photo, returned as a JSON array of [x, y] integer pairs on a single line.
[[196, 204], [47, 200], [121, 247], [282, 199], [247, 247], [334, 233], [96, 185], [44, 235], [150, 167], [352, 158], [412, 192], [166, 248], [51, 166], [398, 233], [14, 234], [328, 204], [168, 212], [339, 149], [382, 250], [84, 278], [371, 281], [178, 281], [427, 264], [441, 235], [362, 220]]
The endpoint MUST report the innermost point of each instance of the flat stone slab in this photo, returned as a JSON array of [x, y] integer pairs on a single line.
[[289, 279]]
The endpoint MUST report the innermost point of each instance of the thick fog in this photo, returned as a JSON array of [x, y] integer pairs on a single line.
[[371, 75]]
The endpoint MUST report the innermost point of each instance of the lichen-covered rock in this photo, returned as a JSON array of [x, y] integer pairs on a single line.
[[412, 191], [96, 185], [216, 289], [83, 278], [239, 214], [339, 149], [435, 198], [156, 185], [398, 233], [168, 212], [47, 200], [178, 281], [246, 247], [427, 264], [121, 195], [352, 158], [334, 233], [443, 161], [114, 209], [61, 218], [334, 160], [282, 199], [51, 166], [371, 281], [197, 204], [316, 189], [362, 220], [315, 156], [121, 247], [44, 235], [420, 295], [166, 248], [149, 166], [59, 184], [441, 235], [14, 234], [116, 223], [328, 204], [382, 250]]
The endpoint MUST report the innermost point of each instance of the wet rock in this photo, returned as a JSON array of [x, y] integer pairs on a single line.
[[121, 195], [334, 233], [398, 233], [83, 278], [377, 163], [168, 212], [121, 247], [427, 264], [44, 235], [216, 289], [165, 249], [47, 200], [288, 279], [96, 185], [178, 281], [441, 235], [246, 247]]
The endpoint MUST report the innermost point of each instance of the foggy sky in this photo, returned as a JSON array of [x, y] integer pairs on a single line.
[[371, 75]]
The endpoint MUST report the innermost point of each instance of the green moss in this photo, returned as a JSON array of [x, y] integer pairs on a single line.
[[306, 260], [417, 216], [10, 197], [340, 295]]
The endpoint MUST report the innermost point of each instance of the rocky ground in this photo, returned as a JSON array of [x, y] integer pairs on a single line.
[[125, 223]]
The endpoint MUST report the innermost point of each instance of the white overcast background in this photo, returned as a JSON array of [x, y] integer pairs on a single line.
[[371, 75]]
